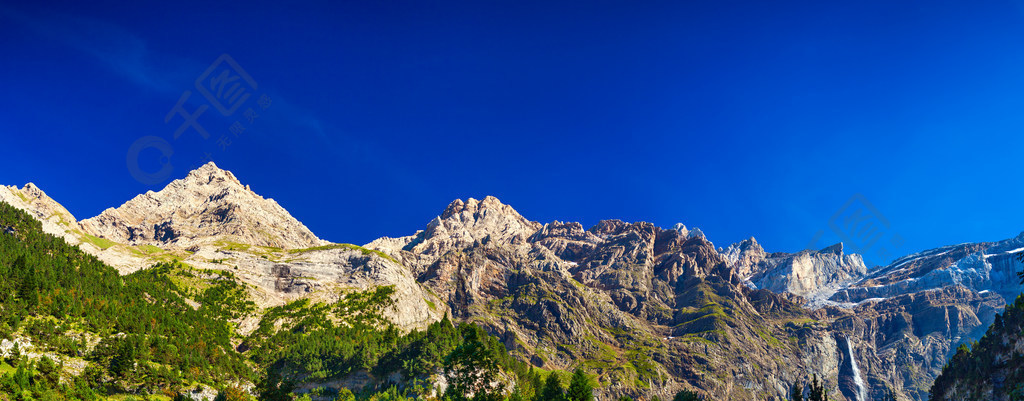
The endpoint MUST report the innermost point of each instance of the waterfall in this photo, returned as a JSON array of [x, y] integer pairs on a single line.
[[857, 379]]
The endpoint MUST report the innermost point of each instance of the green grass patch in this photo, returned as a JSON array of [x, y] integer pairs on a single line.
[[149, 249], [365, 251], [768, 337], [232, 246], [5, 368], [101, 243]]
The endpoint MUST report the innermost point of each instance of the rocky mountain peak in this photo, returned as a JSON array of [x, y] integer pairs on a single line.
[[744, 256], [210, 174], [209, 203], [481, 220], [475, 207], [835, 249]]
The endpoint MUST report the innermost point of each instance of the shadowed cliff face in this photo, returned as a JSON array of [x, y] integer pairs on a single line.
[[648, 310]]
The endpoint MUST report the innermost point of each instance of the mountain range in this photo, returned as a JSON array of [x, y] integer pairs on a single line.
[[647, 310]]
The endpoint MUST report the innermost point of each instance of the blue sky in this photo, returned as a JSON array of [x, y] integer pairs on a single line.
[[741, 118]]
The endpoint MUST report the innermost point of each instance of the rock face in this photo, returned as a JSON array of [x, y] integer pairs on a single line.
[[815, 275], [738, 322], [981, 267], [648, 310], [209, 203], [560, 296], [322, 275]]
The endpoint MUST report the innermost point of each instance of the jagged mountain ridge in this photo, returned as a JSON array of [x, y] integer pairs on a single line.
[[559, 294], [639, 268]]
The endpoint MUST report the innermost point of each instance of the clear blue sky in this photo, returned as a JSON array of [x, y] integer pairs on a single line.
[[742, 118]]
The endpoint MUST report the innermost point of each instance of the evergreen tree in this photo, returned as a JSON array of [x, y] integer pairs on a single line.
[[273, 388], [124, 360], [796, 392], [473, 367], [552, 389], [49, 372], [29, 285], [21, 376], [580, 388], [817, 390], [686, 395], [537, 384], [15, 355]]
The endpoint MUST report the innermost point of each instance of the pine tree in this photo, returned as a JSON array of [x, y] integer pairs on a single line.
[[21, 377], [686, 395], [552, 389], [817, 390], [796, 393], [28, 287], [537, 384], [472, 367], [580, 388], [274, 388], [124, 360]]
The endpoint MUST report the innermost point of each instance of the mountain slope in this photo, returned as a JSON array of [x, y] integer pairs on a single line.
[[648, 310], [72, 328]]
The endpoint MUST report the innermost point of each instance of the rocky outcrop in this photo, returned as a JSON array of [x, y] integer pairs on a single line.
[[745, 256], [815, 275], [208, 204], [323, 275], [56, 219]]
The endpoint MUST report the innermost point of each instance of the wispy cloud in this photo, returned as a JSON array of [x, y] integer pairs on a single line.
[[128, 55], [112, 46]]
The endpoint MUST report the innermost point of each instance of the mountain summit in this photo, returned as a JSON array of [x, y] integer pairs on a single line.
[[210, 203]]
